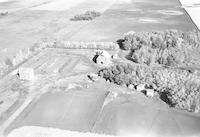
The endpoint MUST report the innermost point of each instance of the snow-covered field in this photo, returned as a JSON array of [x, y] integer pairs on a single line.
[[31, 131], [194, 13], [4, 0], [189, 2], [193, 9], [58, 5]]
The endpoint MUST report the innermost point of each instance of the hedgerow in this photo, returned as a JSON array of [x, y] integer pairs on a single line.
[[88, 15]]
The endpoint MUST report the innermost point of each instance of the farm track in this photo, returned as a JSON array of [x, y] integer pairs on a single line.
[[34, 94], [68, 69]]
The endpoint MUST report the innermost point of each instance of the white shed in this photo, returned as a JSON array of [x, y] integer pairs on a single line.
[[140, 87], [150, 92], [26, 73]]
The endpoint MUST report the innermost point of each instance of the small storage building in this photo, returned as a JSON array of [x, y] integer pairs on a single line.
[[26, 73]]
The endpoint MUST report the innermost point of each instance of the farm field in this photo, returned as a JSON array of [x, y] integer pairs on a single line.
[[94, 110], [138, 116], [71, 109], [73, 103], [52, 61], [133, 15], [49, 66], [77, 87], [29, 21]]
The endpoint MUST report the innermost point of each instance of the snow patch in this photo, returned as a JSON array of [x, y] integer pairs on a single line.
[[36, 131], [170, 12], [58, 5], [148, 20]]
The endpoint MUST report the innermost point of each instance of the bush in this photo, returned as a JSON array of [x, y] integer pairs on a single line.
[[178, 88], [3, 13], [88, 15]]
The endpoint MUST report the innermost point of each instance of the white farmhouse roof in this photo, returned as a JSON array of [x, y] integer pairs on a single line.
[[103, 58], [105, 54]]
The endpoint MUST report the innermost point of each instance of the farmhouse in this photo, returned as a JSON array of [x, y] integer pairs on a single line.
[[102, 58]]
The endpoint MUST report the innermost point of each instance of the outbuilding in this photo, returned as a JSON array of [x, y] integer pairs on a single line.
[[150, 92], [25, 73]]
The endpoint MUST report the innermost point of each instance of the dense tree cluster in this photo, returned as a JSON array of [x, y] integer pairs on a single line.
[[88, 15], [169, 47], [178, 88], [125, 74]]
